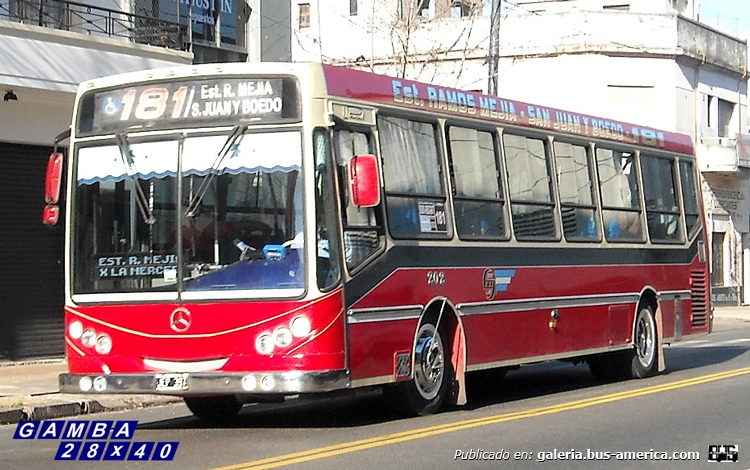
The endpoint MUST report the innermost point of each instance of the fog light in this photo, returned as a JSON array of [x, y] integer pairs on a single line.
[[300, 326], [85, 384], [100, 384], [75, 329], [264, 344], [267, 382], [103, 344], [282, 337], [88, 338], [249, 383]]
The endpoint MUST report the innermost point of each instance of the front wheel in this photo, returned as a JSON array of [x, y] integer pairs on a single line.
[[214, 409], [425, 393]]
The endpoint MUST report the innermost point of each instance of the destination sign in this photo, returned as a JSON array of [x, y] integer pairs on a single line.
[[349, 83], [135, 265], [190, 103]]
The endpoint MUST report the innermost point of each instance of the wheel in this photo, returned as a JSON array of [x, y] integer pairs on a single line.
[[644, 356], [426, 392], [215, 409], [638, 362]]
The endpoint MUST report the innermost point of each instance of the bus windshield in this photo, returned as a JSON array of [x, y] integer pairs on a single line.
[[200, 216]]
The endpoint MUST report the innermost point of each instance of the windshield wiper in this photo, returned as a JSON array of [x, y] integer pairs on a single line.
[[129, 164], [229, 144]]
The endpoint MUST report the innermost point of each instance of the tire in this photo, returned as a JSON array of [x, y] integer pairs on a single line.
[[644, 357], [432, 380], [215, 408], [638, 362]]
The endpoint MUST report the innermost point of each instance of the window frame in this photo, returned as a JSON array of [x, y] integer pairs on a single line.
[[499, 199], [550, 204], [621, 210], [662, 212], [304, 15], [418, 205], [592, 236], [695, 228]]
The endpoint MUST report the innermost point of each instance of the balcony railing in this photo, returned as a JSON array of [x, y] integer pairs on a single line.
[[94, 20]]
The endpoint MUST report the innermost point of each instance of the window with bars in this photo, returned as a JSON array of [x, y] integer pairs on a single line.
[[304, 15]]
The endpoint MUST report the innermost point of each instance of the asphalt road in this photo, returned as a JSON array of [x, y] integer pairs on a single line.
[[551, 415]]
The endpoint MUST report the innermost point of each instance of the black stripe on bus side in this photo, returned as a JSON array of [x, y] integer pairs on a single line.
[[410, 256]]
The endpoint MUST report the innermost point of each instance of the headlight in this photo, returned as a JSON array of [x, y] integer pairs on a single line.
[[264, 344], [103, 344], [300, 326], [88, 338], [75, 329], [282, 337]]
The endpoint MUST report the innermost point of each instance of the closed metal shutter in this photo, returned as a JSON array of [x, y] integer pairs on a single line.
[[31, 279]]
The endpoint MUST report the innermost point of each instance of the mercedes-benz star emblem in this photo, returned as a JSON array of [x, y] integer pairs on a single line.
[[180, 320]]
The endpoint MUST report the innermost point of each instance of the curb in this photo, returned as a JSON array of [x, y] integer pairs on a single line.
[[67, 410]]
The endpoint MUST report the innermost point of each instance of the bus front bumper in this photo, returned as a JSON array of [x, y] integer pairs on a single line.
[[203, 383]]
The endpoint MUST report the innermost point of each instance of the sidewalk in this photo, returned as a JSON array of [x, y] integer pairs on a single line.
[[29, 390]]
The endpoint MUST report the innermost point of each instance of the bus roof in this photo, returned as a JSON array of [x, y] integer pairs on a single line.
[[350, 83]]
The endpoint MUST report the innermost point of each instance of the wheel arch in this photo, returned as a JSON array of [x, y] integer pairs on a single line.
[[444, 314]]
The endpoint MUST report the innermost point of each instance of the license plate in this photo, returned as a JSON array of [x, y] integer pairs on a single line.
[[170, 382]]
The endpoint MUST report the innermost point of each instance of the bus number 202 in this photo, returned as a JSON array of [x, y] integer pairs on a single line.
[[435, 278]]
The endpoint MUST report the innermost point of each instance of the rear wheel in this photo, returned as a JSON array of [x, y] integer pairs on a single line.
[[215, 409], [644, 356], [640, 361], [425, 393]]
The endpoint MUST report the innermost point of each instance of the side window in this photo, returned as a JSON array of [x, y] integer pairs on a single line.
[[690, 199], [478, 201], [362, 231], [579, 217], [621, 208], [531, 203], [414, 194], [662, 212]]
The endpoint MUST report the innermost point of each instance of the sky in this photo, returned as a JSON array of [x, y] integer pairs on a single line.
[[732, 16]]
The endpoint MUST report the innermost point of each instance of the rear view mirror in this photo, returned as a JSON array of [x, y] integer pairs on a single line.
[[365, 182], [52, 188], [54, 176]]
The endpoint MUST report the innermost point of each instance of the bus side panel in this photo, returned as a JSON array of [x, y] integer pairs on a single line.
[[527, 334], [373, 347]]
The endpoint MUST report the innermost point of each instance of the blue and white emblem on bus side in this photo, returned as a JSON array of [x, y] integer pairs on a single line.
[[497, 280]]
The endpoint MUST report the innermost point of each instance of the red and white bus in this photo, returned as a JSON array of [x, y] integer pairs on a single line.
[[243, 232]]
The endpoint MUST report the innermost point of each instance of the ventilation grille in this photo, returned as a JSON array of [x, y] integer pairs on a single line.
[[698, 294]]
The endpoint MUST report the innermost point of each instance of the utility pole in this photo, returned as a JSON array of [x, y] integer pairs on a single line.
[[494, 52], [217, 22]]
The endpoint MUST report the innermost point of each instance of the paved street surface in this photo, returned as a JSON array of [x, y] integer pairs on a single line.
[[551, 414]]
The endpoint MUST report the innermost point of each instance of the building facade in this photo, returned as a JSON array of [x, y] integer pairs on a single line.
[[642, 61], [46, 50]]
